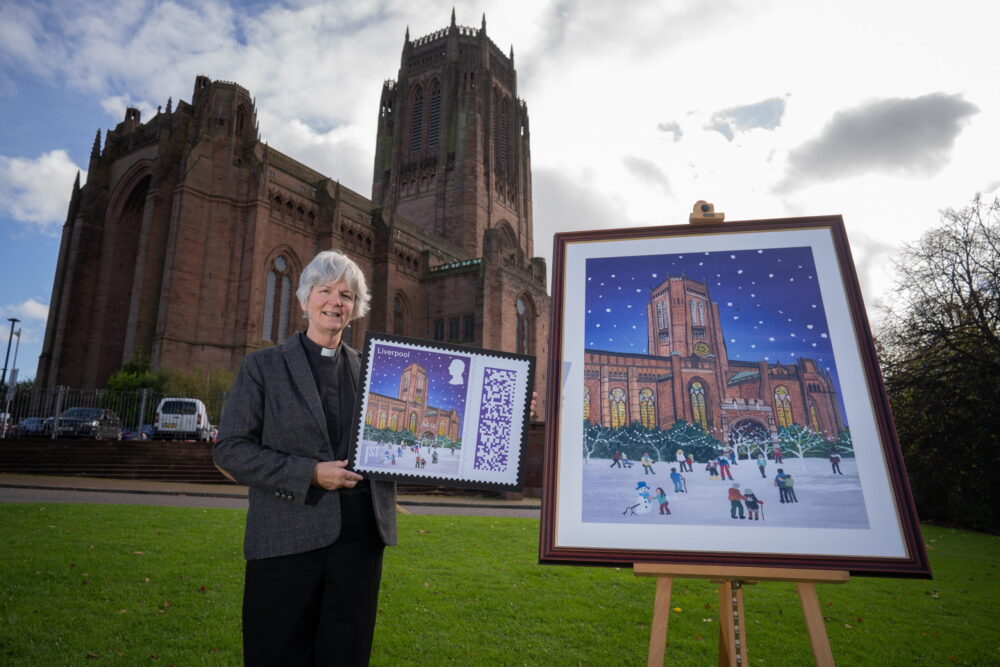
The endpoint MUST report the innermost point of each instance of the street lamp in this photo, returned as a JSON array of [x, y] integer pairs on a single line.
[[3, 378], [10, 337]]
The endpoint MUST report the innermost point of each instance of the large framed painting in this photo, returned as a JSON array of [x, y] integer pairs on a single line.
[[438, 414], [715, 398]]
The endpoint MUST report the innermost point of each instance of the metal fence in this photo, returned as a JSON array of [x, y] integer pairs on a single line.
[[136, 409]]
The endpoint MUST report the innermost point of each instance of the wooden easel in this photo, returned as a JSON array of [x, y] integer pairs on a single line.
[[732, 624]]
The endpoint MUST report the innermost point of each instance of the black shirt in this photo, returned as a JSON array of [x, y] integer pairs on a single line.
[[336, 393]]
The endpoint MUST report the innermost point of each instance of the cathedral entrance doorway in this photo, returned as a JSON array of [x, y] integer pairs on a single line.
[[748, 437]]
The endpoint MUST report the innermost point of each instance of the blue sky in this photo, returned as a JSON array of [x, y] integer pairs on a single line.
[[774, 108]]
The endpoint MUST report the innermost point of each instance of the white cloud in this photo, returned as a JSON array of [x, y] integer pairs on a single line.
[[912, 136], [29, 309], [37, 191]]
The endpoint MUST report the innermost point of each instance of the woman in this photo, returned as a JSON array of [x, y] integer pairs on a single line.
[[315, 530]]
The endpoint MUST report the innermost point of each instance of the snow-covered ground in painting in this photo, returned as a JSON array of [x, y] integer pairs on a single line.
[[826, 500], [372, 455]]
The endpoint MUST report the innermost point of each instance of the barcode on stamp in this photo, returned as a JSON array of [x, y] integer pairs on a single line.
[[496, 416]]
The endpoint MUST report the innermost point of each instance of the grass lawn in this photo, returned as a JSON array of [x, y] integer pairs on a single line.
[[86, 584]]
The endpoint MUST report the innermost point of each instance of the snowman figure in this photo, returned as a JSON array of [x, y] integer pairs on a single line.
[[643, 506]]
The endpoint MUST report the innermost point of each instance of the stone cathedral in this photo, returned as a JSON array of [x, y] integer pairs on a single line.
[[187, 241]]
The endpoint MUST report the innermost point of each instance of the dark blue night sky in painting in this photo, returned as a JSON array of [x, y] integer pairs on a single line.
[[769, 302], [389, 362]]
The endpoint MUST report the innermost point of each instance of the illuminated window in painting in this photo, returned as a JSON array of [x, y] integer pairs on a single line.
[[418, 395], [381, 420], [413, 422], [617, 397], [698, 407], [782, 406], [394, 423], [442, 427], [647, 408], [813, 417], [368, 418], [586, 402]]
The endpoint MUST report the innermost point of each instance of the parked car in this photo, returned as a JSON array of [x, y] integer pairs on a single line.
[[31, 427], [144, 433], [181, 419], [96, 423]]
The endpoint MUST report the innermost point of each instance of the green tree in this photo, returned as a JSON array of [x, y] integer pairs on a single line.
[[940, 354]]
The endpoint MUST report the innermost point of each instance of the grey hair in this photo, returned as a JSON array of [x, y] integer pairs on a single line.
[[330, 266]]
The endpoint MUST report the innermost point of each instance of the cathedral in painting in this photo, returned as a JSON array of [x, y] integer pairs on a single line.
[[688, 375], [409, 410]]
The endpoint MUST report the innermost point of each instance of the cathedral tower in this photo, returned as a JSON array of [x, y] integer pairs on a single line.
[[452, 151]]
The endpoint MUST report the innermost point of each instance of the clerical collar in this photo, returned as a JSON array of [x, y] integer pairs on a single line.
[[331, 352]]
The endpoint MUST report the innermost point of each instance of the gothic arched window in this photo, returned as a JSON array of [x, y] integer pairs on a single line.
[[504, 132], [814, 418], [434, 119], [699, 407], [586, 402], [394, 423], [277, 300], [523, 333], [495, 125], [647, 408], [398, 316], [417, 120], [413, 422], [617, 397], [782, 406]]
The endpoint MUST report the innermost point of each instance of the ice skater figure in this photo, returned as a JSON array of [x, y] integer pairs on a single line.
[[776, 451], [681, 459], [661, 497], [690, 462], [762, 464], [730, 453], [434, 457], [724, 471], [647, 464], [789, 485], [736, 501], [754, 504], [678, 480], [626, 461], [713, 469], [779, 481], [616, 459], [643, 506], [835, 462]]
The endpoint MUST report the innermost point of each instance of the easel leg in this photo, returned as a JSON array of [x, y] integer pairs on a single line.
[[661, 616], [732, 625], [814, 624]]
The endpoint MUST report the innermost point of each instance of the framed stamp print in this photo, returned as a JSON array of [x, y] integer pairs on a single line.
[[715, 398], [439, 414]]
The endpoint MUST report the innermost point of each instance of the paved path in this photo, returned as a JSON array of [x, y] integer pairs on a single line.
[[42, 489]]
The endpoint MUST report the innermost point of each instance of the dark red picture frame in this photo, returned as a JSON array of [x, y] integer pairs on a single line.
[[577, 529]]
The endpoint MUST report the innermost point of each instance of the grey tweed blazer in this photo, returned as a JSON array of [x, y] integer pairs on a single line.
[[272, 434]]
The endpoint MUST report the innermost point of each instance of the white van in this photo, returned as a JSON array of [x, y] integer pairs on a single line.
[[181, 419]]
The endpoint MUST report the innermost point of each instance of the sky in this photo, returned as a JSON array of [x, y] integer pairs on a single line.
[[883, 111]]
